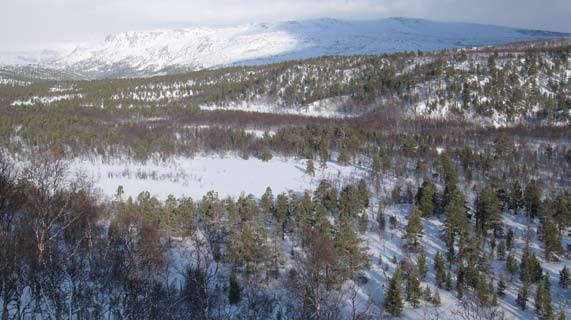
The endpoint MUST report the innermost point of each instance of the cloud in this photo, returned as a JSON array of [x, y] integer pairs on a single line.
[[35, 23]]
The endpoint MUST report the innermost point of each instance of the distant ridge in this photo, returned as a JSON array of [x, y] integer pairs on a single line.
[[157, 52]]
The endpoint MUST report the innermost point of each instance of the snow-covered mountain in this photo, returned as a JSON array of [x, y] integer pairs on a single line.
[[145, 53]]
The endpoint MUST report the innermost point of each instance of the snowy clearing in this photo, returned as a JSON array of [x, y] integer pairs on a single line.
[[229, 176]]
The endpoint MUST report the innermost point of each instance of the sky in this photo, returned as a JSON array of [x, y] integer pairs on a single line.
[[35, 24]]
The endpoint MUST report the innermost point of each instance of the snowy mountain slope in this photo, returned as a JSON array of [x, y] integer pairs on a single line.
[[144, 53]]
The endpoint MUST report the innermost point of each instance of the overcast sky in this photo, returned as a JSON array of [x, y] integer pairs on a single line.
[[27, 24]]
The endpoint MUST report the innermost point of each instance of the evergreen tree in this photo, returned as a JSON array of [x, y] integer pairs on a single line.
[[393, 295], [501, 287], [381, 219], [426, 198], [350, 203], [488, 210], [539, 300], [305, 216], [455, 222], [363, 193], [266, 153], [234, 290], [516, 197], [351, 254], [440, 271], [393, 222], [460, 280], [326, 195], [504, 146], [482, 290], [510, 240], [376, 166], [522, 296], [530, 268], [564, 277], [427, 294], [282, 211], [562, 207], [543, 302], [450, 178], [363, 223], [413, 291], [448, 281], [532, 199], [501, 253], [267, 201], [436, 301], [551, 237], [310, 168], [422, 265], [414, 229]]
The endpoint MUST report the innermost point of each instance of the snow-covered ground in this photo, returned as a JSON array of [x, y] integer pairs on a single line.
[[46, 100], [229, 176]]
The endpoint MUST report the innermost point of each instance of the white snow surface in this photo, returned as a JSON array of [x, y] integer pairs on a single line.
[[165, 51], [228, 175]]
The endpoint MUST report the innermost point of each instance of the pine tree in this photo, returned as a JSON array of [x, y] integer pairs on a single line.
[[393, 296], [488, 210], [350, 203], [522, 297], [516, 197], [393, 222], [504, 146], [376, 166], [455, 220], [460, 280], [548, 312], [539, 303], [501, 287], [543, 302], [422, 266], [564, 277], [266, 153], [234, 290], [381, 219], [267, 200], [363, 223], [436, 301], [310, 168], [448, 281], [282, 211], [326, 195], [450, 178], [344, 157], [530, 267], [532, 199], [426, 198], [562, 207], [414, 229], [501, 253], [351, 254], [440, 271], [363, 193], [427, 294], [551, 237], [482, 290], [413, 291], [510, 240]]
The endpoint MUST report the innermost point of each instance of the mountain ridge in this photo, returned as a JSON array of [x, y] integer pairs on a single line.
[[167, 51]]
